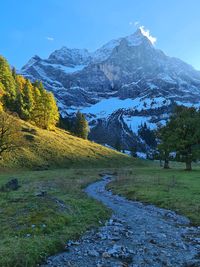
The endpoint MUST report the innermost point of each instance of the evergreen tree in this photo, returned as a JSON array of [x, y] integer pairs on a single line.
[[134, 152], [147, 135], [14, 73], [118, 146], [66, 124], [81, 126]]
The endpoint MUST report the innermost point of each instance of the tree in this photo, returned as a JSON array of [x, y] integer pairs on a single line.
[[134, 151], [186, 123], [165, 145], [66, 123], [26, 101], [182, 135], [30, 101], [45, 111], [118, 146], [10, 133], [81, 128], [7, 80], [20, 82], [147, 135], [50, 114], [2, 92]]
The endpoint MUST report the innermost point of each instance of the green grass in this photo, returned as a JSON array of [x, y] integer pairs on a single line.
[[174, 189], [59, 149], [34, 227]]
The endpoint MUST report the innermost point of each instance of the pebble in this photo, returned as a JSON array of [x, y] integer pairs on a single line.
[[136, 235]]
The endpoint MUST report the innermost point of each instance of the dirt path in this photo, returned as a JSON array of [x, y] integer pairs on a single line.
[[137, 235]]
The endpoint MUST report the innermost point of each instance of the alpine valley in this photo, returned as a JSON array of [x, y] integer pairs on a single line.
[[123, 84]]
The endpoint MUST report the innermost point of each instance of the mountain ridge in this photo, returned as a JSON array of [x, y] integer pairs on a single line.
[[126, 70]]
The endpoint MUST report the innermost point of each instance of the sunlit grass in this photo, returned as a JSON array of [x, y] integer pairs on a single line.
[[59, 149]]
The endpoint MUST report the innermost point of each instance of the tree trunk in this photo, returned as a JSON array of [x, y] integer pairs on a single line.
[[166, 164], [161, 165], [188, 164], [188, 159]]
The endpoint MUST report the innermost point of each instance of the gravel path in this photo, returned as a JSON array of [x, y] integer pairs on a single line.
[[137, 235]]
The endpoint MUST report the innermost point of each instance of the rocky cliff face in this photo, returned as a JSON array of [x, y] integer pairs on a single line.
[[121, 85]]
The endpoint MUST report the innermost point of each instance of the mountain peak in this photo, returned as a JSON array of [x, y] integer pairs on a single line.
[[70, 57], [142, 32], [138, 38], [138, 32]]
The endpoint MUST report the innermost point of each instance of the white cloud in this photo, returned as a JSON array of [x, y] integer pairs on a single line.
[[146, 33], [51, 39], [136, 23]]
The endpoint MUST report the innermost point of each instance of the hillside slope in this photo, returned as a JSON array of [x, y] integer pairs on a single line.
[[49, 149]]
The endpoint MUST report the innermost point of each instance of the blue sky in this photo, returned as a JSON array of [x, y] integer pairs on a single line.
[[41, 26]]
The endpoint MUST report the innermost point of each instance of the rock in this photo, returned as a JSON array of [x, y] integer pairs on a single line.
[[106, 255], [99, 264], [13, 184], [41, 194], [155, 239], [28, 235], [72, 243], [93, 253]]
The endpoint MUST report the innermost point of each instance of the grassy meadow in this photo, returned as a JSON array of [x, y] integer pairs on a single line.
[[60, 165], [43, 149], [32, 226], [50, 207], [174, 188]]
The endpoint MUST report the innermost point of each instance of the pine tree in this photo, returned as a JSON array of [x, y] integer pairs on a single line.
[[117, 145], [81, 126], [134, 152], [147, 135]]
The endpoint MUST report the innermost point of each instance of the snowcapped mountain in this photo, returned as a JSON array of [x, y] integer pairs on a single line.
[[121, 85]]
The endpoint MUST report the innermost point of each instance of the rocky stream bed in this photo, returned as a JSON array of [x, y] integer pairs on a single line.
[[136, 235]]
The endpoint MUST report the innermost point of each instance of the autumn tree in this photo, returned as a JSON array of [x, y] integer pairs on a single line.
[[8, 82], [10, 133], [26, 101], [31, 101]]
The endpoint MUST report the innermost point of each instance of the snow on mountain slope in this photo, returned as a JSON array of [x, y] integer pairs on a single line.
[[124, 83], [70, 57]]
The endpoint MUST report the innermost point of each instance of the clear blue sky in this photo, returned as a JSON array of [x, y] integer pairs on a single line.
[[29, 27]]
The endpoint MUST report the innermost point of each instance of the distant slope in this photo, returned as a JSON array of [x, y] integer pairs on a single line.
[[49, 149]]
